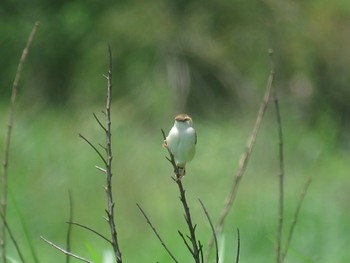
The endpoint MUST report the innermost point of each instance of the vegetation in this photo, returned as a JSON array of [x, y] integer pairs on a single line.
[[210, 61], [40, 183], [223, 45]]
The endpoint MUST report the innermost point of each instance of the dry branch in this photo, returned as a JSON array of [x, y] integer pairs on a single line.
[[91, 230], [156, 233], [65, 252], [213, 232], [94, 147], [110, 202], [191, 227], [238, 245], [69, 230], [107, 160], [295, 217], [196, 249], [243, 161], [13, 239], [281, 181], [8, 138]]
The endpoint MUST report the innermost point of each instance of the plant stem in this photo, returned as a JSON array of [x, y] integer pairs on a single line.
[[191, 228], [69, 231], [195, 251], [281, 182], [110, 202], [65, 252], [8, 139], [295, 217], [243, 161], [156, 233], [213, 232]]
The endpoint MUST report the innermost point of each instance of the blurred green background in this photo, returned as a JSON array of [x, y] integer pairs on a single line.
[[210, 60]]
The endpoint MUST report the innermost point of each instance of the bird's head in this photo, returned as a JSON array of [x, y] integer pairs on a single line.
[[183, 118]]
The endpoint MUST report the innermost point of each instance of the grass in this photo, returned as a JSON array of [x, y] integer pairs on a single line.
[[47, 158]]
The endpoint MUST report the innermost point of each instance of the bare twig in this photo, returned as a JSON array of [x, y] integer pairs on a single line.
[[156, 233], [200, 245], [69, 231], [192, 228], [91, 230], [93, 147], [100, 169], [25, 228], [110, 202], [65, 252], [12, 238], [281, 181], [8, 138], [295, 217], [213, 232], [243, 161], [101, 125], [238, 245], [107, 170], [185, 241]]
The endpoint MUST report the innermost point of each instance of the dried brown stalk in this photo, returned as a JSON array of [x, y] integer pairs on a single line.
[[242, 162], [65, 252], [110, 202], [8, 139]]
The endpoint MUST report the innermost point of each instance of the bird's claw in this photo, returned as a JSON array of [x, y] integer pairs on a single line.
[[179, 172]]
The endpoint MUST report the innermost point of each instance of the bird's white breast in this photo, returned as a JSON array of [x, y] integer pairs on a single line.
[[181, 141]]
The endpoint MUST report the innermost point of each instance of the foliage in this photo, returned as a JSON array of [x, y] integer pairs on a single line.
[[217, 48], [195, 55], [42, 180]]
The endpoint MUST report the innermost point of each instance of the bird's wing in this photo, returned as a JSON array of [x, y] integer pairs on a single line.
[[173, 139]]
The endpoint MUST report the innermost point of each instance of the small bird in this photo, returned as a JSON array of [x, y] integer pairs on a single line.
[[181, 141]]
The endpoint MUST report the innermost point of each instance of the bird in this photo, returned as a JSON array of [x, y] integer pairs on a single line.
[[181, 142]]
